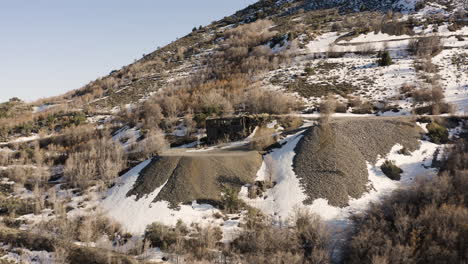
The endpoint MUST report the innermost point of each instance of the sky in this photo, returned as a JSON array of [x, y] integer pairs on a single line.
[[48, 47]]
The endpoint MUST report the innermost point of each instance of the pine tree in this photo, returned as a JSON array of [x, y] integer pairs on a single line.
[[385, 59]]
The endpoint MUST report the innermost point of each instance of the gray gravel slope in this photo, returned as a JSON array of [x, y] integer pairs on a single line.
[[331, 163]]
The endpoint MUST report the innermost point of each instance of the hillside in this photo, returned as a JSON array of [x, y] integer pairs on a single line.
[[286, 122]]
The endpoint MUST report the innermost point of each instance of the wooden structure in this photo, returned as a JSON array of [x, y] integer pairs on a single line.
[[230, 128]]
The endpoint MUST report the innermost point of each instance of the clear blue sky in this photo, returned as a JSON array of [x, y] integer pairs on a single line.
[[48, 47]]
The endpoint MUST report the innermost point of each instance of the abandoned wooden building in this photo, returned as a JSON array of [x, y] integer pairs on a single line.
[[230, 128]]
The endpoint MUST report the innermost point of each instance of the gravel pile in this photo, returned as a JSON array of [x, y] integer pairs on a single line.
[[200, 178], [331, 163]]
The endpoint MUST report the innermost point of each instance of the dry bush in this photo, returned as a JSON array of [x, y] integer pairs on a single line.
[[327, 108], [263, 138], [314, 237], [85, 228], [151, 114], [355, 101], [422, 96], [341, 107], [426, 46], [407, 88], [334, 52], [250, 35], [435, 109], [272, 102], [434, 96], [425, 223], [337, 27], [60, 254], [308, 241], [26, 175], [98, 160], [197, 243], [170, 105], [6, 158], [153, 144], [366, 49], [437, 94], [202, 242], [214, 102], [72, 136], [365, 108], [290, 122], [425, 64]]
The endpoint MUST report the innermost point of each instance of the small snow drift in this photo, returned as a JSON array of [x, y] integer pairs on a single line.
[[332, 164]]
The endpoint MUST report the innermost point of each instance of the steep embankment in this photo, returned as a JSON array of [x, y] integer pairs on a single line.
[[331, 164], [187, 178], [150, 192]]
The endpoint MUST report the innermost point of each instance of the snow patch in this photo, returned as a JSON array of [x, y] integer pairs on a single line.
[[135, 214]]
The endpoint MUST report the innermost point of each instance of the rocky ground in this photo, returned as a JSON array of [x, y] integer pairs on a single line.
[[331, 161]]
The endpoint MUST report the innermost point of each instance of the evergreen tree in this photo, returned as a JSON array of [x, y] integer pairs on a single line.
[[385, 59]]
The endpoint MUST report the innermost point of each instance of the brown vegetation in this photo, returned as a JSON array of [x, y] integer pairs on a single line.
[[260, 242], [425, 223], [97, 161], [426, 46]]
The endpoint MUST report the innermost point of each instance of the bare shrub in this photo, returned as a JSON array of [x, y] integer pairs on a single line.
[[85, 228], [250, 34], [215, 103], [422, 96], [263, 138], [100, 160], [259, 242], [407, 88], [366, 49], [327, 108], [341, 107], [272, 102], [60, 254], [391, 170], [426, 46], [154, 144], [437, 94], [314, 236], [203, 241], [355, 101], [334, 52], [365, 108], [337, 27], [290, 122], [151, 114]]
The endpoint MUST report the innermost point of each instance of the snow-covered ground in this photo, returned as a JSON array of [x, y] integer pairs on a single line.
[[22, 255], [455, 77], [127, 136], [322, 43], [21, 139], [135, 214], [287, 195], [42, 108]]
